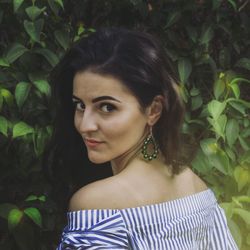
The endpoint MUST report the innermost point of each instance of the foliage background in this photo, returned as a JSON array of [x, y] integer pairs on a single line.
[[208, 42]]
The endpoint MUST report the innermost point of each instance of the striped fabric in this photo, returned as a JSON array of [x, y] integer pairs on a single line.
[[195, 222]]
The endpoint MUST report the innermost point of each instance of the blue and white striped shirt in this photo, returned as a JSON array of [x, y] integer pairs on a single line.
[[195, 222]]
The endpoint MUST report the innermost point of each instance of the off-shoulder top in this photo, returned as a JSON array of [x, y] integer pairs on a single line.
[[195, 222]]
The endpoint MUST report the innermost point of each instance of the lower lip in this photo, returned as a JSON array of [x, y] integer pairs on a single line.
[[92, 144]]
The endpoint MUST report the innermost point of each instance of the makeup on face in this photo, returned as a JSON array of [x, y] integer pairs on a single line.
[[104, 103], [107, 116]]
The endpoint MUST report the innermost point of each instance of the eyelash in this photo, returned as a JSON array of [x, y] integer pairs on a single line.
[[100, 106], [75, 103], [108, 105]]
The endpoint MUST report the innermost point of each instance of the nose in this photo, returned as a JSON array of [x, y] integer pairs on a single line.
[[87, 123]]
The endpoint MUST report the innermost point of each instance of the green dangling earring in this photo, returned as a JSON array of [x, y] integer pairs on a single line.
[[146, 142]]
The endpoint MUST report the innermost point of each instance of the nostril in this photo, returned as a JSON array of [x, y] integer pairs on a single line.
[[87, 125]]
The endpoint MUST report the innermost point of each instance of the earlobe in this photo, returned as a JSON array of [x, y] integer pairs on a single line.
[[155, 109]]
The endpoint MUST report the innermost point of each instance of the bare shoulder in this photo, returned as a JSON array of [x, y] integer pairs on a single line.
[[188, 179], [97, 195]]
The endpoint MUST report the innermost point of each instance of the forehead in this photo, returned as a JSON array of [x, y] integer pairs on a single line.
[[90, 85]]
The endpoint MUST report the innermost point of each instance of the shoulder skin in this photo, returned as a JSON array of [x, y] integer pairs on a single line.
[[97, 195]]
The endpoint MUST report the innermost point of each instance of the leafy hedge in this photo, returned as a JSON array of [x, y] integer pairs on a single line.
[[208, 41]]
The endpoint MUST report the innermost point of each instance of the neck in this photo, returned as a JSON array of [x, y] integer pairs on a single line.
[[121, 162]]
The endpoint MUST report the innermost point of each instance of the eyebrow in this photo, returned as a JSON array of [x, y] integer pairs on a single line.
[[99, 98]]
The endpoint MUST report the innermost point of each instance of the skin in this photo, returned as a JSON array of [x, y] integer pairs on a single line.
[[108, 112]]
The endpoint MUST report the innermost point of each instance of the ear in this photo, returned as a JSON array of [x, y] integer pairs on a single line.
[[154, 111]]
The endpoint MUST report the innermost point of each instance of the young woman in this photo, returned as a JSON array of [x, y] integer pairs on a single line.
[[128, 112]]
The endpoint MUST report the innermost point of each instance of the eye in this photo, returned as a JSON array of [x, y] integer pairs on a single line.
[[78, 105], [107, 107]]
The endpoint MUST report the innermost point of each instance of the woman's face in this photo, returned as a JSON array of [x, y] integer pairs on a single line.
[[107, 116]]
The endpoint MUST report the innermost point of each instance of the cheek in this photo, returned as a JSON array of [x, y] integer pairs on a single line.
[[126, 127], [77, 122]]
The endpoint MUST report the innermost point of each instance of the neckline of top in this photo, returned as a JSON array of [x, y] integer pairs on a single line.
[[200, 200]]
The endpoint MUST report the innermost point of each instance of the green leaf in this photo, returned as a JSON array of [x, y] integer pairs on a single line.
[[192, 33], [31, 198], [216, 156], [8, 97], [21, 129], [196, 122], [201, 163], [15, 52], [4, 62], [245, 157], [49, 130], [33, 12], [54, 5], [80, 29], [239, 79], [43, 86], [39, 141], [209, 146], [245, 133], [236, 202], [34, 29], [234, 85], [236, 90], [63, 38], [245, 103], [233, 4], [184, 69], [248, 239], [239, 107], [50, 56], [243, 198], [21, 93], [17, 4], [243, 63], [236, 232], [34, 214], [232, 131], [207, 35], [60, 2], [14, 217], [5, 208], [35, 198], [244, 143], [228, 208], [196, 102], [215, 108], [183, 92], [220, 161], [219, 87], [194, 92], [246, 122], [3, 126], [230, 153], [219, 125], [173, 18], [42, 198], [1, 101], [244, 214], [241, 176]]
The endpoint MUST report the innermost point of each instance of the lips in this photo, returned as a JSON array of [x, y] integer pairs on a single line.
[[92, 142]]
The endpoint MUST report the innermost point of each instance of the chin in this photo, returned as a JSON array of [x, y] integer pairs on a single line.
[[97, 160]]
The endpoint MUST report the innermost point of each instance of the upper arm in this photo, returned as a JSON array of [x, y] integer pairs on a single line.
[[84, 198], [78, 200], [97, 195]]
